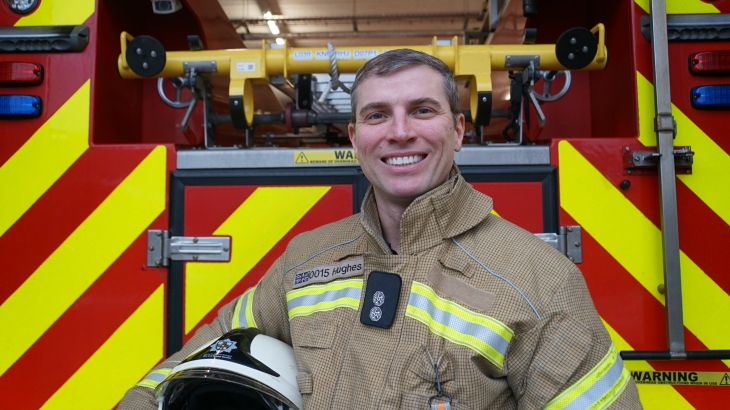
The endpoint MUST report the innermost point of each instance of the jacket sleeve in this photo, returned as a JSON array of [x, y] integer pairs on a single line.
[[570, 360], [260, 307]]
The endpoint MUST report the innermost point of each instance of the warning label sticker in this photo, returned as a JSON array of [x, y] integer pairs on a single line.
[[325, 157], [682, 378]]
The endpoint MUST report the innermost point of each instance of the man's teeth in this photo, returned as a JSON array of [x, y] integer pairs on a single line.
[[404, 160]]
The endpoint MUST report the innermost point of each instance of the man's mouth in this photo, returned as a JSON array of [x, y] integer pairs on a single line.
[[407, 160]]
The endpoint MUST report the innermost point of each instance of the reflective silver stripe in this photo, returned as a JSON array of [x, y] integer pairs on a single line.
[[153, 378], [483, 333], [243, 314], [601, 387], [329, 296]]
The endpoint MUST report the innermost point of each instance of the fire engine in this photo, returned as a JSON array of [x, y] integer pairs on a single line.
[[152, 169]]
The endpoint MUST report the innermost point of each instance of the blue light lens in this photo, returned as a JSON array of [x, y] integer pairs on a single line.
[[710, 97], [20, 106]]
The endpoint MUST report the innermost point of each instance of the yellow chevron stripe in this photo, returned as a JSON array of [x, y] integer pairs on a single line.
[[83, 257], [58, 13], [652, 396], [711, 169], [133, 349], [41, 161], [636, 243], [255, 227], [682, 6]]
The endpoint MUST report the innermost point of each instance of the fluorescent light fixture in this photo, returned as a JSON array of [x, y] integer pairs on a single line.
[[272, 24], [280, 41]]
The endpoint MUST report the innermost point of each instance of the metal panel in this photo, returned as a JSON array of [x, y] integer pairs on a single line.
[[284, 158]]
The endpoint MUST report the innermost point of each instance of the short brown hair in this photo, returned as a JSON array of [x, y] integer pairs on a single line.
[[394, 60]]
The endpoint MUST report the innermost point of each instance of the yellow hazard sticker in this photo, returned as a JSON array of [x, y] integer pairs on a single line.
[[682, 378], [325, 157]]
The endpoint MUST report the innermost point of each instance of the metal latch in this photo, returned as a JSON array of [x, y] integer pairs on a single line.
[[638, 161], [568, 241], [161, 248]]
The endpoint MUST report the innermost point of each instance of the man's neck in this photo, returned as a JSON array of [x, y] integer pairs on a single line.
[[390, 214]]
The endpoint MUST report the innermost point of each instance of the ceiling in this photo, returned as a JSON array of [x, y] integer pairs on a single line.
[[313, 23]]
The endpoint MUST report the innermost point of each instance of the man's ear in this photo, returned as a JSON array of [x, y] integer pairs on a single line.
[[351, 132], [459, 131]]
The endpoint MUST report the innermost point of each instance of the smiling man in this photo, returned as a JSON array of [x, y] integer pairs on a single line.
[[424, 300]]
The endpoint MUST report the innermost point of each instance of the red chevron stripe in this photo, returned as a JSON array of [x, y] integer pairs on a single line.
[[61, 209], [335, 205], [639, 318], [702, 234], [82, 329]]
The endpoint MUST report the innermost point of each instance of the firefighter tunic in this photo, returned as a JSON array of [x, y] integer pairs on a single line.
[[487, 316]]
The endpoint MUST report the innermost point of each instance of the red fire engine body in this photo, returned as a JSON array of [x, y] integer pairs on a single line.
[[110, 199]]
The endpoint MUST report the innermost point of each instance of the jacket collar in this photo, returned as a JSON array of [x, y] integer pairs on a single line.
[[444, 212]]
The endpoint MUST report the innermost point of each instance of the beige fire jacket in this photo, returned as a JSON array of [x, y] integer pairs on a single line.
[[507, 319]]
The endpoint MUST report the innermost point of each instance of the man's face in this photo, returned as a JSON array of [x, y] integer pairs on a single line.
[[405, 136]]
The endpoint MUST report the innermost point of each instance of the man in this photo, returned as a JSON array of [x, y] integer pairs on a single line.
[[425, 298]]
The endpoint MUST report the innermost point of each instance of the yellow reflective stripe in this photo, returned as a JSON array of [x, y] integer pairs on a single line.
[[607, 215], [154, 378], [132, 350], [244, 318], [652, 396], [682, 6], [590, 391], [41, 161], [84, 256], [320, 298], [710, 172], [255, 228], [483, 334], [59, 13]]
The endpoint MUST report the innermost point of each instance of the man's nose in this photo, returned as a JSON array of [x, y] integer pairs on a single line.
[[401, 129]]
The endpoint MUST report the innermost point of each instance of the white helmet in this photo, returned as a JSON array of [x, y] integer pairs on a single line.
[[242, 369]]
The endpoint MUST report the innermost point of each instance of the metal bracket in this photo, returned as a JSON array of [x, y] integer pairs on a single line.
[[200, 67], [521, 61], [568, 241], [161, 248], [665, 122], [637, 161]]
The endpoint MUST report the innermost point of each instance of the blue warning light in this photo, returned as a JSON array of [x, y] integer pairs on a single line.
[[710, 97], [20, 106]]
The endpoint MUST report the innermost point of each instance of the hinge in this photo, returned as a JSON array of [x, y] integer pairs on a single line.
[[568, 241], [161, 248]]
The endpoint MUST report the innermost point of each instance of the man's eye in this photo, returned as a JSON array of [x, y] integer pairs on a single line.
[[424, 111], [375, 116]]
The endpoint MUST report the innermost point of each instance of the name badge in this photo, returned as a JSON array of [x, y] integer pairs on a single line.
[[328, 273]]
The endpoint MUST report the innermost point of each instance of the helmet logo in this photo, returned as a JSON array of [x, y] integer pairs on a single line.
[[224, 346], [378, 298], [375, 314]]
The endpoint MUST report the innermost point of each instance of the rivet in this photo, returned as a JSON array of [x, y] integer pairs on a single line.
[[573, 40], [159, 233], [158, 263], [660, 288], [235, 102], [584, 49], [145, 65], [139, 51], [151, 248], [484, 99], [153, 53], [195, 257], [570, 229], [687, 171], [571, 56], [195, 240], [627, 149], [636, 158], [577, 244], [225, 249], [628, 171], [571, 259], [625, 184]]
